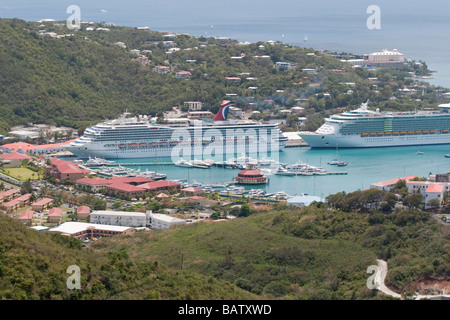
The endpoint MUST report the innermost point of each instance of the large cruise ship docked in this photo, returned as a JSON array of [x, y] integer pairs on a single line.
[[362, 128], [140, 137]]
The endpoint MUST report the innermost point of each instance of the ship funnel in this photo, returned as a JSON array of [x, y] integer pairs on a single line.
[[223, 112]]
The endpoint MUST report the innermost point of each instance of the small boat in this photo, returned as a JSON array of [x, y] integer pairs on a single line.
[[334, 162], [342, 164], [447, 155], [419, 152], [184, 163]]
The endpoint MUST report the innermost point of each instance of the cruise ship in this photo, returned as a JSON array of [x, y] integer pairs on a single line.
[[141, 137], [362, 128]]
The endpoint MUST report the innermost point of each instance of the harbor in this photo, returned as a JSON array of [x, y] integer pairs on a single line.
[[365, 166]]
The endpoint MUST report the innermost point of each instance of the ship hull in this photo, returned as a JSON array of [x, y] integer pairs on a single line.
[[93, 150], [339, 141]]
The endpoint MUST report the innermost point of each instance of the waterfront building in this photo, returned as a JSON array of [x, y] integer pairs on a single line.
[[251, 176], [64, 170], [387, 185], [386, 58], [434, 191]]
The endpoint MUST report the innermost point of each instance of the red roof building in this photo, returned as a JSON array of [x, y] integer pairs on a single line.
[[251, 176], [8, 195], [54, 215], [14, 156], [124, 189], [64, 170], [26, 216], [41, 204], [83, 212], [160, 185], [192, 190]]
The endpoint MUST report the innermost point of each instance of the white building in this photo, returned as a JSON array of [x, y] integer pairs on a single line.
[[434, 191], [386, 58], [120, 218], [194, 105], [163, 221], [90, 230]]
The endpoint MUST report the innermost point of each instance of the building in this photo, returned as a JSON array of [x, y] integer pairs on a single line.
[[252, 176], [83, 212], [55, 215], [283, 65], [81, 230], [303, 200], [162, 69], [13, 159], [26, 217], [182, 75], [124, 189], [193, 115], [386, 58], [8, 195], [161, 185], [93, 184], [23, 147], [63, 170], [434, 191], [387, 185], [164, 221], [41, 204], [121, 218]]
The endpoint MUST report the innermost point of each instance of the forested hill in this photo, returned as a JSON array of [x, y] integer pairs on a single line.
[[86, 77]]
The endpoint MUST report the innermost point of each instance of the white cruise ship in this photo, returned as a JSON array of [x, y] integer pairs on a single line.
[[363, 128], [139, 137]]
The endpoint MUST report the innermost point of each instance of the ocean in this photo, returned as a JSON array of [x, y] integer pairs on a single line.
[[418, 29], [365, 167]]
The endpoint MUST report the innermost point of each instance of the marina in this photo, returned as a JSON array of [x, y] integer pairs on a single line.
[[365, 166]]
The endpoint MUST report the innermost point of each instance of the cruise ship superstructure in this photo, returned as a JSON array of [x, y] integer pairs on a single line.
[[361, 128], [140, 137]]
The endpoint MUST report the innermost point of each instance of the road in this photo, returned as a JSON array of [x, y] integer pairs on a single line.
[[381, 276]]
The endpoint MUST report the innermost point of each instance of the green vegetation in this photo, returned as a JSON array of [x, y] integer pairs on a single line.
[[81, 79], [33, 265]]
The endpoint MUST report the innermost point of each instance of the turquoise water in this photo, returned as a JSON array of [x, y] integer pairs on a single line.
[[365, 166]]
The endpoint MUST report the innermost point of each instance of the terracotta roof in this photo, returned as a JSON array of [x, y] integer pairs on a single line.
[[192, 189], [83, 209], [24, 197], [97, 181], [11, 203], [55, 212], [26, 215], [438, 188], [125, 187], [26, 146], [42, 202], [67, 167], [251, 172], [14, 156], [162, 195], [159, 184], [8, 193]]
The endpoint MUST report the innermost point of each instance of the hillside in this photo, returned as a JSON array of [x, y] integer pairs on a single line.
[[33, 266], [310, 253], [83, 78]]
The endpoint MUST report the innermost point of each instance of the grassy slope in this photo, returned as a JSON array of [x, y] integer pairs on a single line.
[[33, 266]]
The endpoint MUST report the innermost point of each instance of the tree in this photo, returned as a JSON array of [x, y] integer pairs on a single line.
[[434, 203], [245, 210], [413, 201], [100, 205]]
